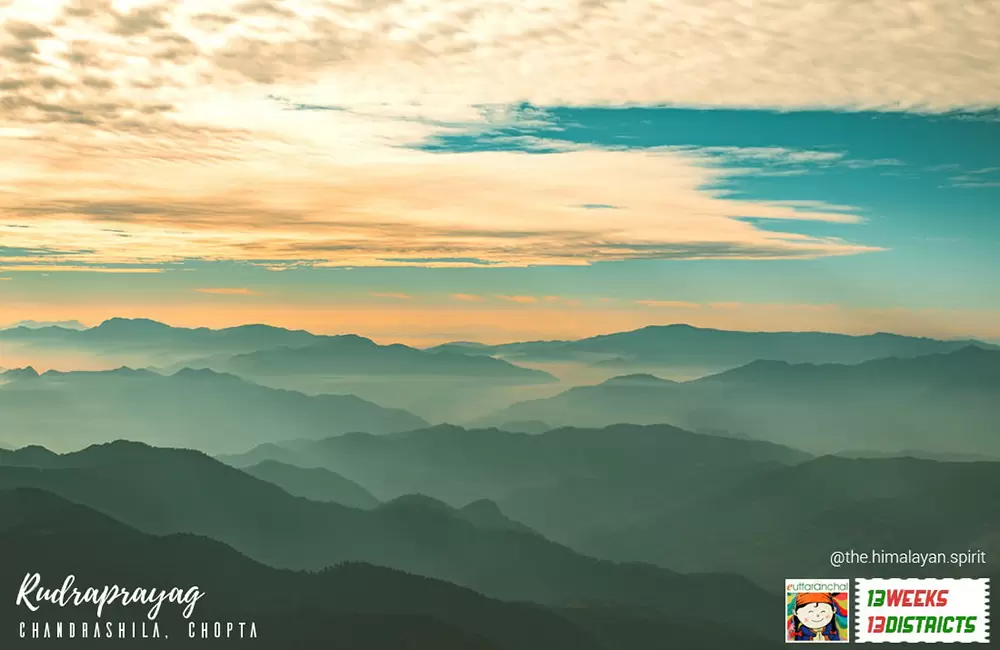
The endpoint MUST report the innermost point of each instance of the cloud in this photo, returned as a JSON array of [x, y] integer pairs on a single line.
[[196, 129], [922, 54], [229, 291], [45, 269], [404, 208], [467, 297], [983, 177], [671, 304], [976, 184], [519, 299], [393, 296]]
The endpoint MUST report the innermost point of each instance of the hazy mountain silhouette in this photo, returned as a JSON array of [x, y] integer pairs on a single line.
[[65, 324], [192, 408], [161, 491], [262, 350], [639, 380], [356, 356], [636, 399], [314, 483], [158, 340], [340, 607], [482, 513], [685, 345], [560, 483], [885, 404], [762, 524], [957, 457], [14, 374], [449, 386], [487, 514]]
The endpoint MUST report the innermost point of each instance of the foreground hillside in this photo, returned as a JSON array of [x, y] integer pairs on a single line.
[[164, 491]]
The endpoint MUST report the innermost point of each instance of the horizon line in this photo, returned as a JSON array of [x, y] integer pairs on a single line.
[[42, 324]]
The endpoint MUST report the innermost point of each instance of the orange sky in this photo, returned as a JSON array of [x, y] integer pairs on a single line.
[[426, 322]]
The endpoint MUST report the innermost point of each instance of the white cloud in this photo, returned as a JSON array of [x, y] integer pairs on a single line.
[[140, 133]]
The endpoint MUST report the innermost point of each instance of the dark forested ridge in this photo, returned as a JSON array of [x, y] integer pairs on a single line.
[[560, 482], [162, 491], [315, 483]]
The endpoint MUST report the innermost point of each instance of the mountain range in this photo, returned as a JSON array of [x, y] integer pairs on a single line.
[[881, 405], [152, 337], [356, 356], [65, 324], [801, 513], [687, 501], [438, 386], [201, 409], [260, 350], [314, 483], [363, 606], [562, 483], [351, 606], [167, 491], [685, 345]]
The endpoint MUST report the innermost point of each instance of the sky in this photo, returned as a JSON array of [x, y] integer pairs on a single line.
[[423, 171]]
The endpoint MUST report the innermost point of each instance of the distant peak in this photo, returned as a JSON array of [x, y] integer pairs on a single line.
[[349, 339], [671, 326], [482, 506], [62, 324], [201, 373], [36, 449], [117, 322], [132, 449], [130, 445], [122, 371], [417, 501], [637, 379], [27, 372], [972, 350], [260, 327], [769, 363], [440, 428], [127, 371]]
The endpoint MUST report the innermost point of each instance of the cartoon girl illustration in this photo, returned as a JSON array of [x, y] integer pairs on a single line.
[[814, 617]]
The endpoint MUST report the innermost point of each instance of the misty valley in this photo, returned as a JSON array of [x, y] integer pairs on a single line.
[[586, 505]]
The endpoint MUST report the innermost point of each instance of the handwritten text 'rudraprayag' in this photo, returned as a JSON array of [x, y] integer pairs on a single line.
[[33, 595]]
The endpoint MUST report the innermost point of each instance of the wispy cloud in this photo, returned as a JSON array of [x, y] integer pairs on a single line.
[[156, 119], [467, 297], [393, 296], [229, 291], [524, 300], [412, 208], [671, 304], [73, 268], [924, 54], [983, 177]]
